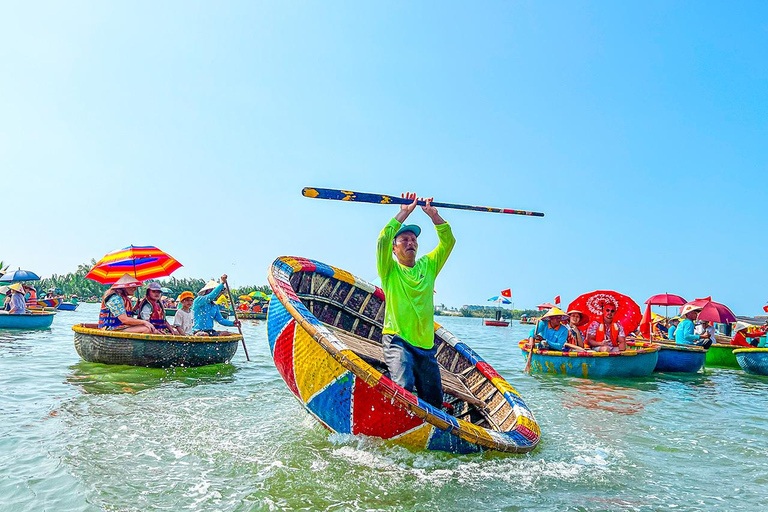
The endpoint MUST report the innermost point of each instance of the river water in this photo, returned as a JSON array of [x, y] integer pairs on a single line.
[[82, 436]]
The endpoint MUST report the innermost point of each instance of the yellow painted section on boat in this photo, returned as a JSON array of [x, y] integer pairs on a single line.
[[416, 437], [503, 385], [371, 375], [474, 434], [313, 366], [295, 265], [343, 275], [529, 424], [585, 370]]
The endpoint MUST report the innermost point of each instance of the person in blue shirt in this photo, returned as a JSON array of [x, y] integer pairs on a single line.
[[550, 331], [684, 334], [205, 310], [673, 323]]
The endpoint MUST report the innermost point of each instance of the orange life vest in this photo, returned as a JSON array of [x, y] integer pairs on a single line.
[[600, 335], [106, 319]]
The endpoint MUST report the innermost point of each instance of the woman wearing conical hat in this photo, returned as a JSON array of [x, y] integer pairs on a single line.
[[18, 305], [117, 313], [550, 331]]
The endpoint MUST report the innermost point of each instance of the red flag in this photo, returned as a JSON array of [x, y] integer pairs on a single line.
[[557, 300], [765, 308], [506, 293], [645, 323]]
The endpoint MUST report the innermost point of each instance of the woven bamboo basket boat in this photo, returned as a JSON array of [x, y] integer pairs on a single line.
[[753, 360], [677, 358], [250, 315], [324, 332], [639, 361], [152, 350], [722, 356]]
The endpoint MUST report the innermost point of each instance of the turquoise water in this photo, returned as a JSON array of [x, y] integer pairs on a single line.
[[81, 436]]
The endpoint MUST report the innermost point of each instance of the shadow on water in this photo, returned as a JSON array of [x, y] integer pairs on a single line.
[[97, 378]]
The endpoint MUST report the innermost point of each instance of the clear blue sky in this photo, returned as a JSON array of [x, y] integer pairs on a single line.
[[639, 128]]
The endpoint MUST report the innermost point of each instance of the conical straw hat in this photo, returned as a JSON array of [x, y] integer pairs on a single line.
[[554, 312], [210, 285], [127, 281]]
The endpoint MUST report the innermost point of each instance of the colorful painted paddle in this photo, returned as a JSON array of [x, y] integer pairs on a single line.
[[362, 197]]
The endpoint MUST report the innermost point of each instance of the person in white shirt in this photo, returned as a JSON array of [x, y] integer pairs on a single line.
[[703, 327], [184, 319]]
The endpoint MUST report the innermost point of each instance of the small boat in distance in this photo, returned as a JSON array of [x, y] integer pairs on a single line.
[[496, 323], [31, 320]]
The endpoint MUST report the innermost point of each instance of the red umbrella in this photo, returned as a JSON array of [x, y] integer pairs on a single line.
[[666, 299], [141, 262], [627, 310], [712, 311]]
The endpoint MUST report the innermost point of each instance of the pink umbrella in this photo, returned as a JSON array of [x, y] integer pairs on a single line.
[[546, 305], [713, 311], [666, 299]]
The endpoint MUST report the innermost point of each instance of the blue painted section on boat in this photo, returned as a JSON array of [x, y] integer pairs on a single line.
[[677, 360], [67, 306], [279, 317], [754, 362], [442, 440], [518, 438], [334, 404], [26, 321], [639, 365]]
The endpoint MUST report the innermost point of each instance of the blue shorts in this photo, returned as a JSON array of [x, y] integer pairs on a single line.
[[413, 368]]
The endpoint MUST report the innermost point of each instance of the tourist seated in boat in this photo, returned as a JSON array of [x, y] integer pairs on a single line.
[[7, 300], [673, 323], [742, 337], [705, 326], [576, 321], [550, 333], [408, 339], [206, 311], [607, 335], [30, 295], [660, 329], [151, 309], [117, 311], [184, 320], [17, 304], [685, 335]]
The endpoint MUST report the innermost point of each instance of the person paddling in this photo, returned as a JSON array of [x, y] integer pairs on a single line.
[[205, 309], [408, 336], [117, 312]]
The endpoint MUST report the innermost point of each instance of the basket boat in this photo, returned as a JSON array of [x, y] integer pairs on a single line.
[[324, 333], [678, 358], [250, 315], [48, 303], [753, 360], [639, 361], [722, 356], [32, 320], [67, 306], [152, 350]]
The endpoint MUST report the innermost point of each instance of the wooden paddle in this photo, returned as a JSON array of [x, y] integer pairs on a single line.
[[363, 197], [242, 338], [533, 345]]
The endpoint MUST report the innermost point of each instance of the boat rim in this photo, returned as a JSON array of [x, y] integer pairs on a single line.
[[752, 350], [82, 329]]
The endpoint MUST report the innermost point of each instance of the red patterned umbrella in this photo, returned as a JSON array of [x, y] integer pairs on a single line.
[[627, 311], [666, 299], [141, 262], [713, 311]]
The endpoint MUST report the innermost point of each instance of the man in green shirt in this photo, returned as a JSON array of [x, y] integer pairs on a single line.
[[409, 333]]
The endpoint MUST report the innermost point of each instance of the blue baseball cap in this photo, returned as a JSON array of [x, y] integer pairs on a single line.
[[413, 228]]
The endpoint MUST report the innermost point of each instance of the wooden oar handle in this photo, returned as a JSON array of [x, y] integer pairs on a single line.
[[364, 197]]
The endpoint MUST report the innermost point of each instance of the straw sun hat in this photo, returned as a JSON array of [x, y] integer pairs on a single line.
[[583, 318], [555, 312]]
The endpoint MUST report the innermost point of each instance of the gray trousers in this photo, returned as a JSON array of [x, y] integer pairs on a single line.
[[413, 368]]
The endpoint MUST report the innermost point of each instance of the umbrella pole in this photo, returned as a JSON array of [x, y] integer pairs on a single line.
[[242, 338]]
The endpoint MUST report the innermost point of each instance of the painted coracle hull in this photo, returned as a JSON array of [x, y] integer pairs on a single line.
[[42, 320], [753, 360], [674, 358], [721, 356], [638, 362], [324, 332]]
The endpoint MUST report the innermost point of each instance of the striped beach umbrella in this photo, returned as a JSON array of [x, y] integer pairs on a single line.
[[141, 262]]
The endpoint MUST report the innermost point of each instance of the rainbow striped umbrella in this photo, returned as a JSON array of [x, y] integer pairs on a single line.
[[141, 262]]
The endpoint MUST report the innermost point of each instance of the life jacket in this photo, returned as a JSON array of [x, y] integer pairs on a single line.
[[600, 335], [109, 321], [157, 318], [32, 299]]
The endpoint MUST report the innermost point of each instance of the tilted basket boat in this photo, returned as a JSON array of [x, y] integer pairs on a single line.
[[152, 350], [325, 336], [32, 320], [636, 362], [753, 360]]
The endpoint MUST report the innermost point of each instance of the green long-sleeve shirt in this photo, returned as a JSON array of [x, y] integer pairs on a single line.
[[409, 310]]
